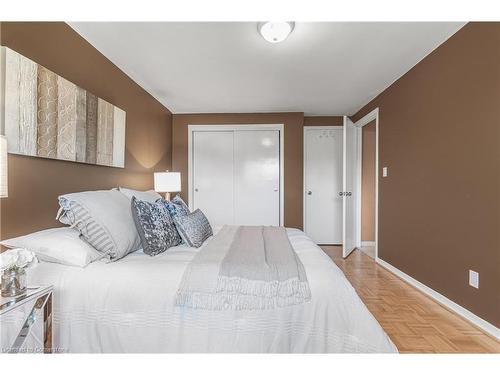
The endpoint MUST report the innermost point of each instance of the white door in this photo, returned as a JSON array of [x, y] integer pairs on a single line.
[[256, 177], [349, 198], [323, 183], [236, 176], [213, 175]]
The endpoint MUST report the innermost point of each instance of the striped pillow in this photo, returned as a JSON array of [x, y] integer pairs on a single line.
[[103, 218]]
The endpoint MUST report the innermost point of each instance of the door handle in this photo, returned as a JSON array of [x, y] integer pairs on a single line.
[[275, 189], [309, 192], [345, 193], [196, 190]]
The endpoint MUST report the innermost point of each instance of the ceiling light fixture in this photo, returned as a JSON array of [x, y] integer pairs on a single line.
[[275, 32]]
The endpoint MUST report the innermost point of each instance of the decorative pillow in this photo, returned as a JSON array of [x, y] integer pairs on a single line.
[[194, 228], [155, 226], [176, 206], [57, 245], [103, 218], [148, 196]]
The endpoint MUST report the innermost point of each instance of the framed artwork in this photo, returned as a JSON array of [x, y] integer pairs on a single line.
[[47, 116]]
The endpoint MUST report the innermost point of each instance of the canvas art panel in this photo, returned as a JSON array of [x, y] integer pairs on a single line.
[[47, 116]]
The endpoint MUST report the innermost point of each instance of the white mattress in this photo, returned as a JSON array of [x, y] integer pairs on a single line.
[[128, 306]]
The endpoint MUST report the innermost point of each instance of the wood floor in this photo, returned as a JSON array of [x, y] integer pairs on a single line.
[[415, 322]]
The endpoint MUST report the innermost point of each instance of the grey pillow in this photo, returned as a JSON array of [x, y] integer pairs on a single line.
[[155, 226], [103, 218], [148, 196], [176, 206], [194, 228]]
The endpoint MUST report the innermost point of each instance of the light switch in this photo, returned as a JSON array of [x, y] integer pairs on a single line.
[[385, 172], [474, 279]]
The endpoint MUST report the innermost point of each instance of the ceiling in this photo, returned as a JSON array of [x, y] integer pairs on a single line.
[[325, 68]]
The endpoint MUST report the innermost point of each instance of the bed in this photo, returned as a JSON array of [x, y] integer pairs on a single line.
[[128, 306]]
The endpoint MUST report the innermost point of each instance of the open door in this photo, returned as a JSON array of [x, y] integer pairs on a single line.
[[349, 193]]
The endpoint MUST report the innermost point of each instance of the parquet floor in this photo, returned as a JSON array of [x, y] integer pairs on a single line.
[[415, 322]]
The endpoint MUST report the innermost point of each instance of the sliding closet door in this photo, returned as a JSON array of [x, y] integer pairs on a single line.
[[257, 177], [213, 175]]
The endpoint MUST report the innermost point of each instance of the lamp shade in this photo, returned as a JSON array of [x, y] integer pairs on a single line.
[[4, 190], [167, 182]]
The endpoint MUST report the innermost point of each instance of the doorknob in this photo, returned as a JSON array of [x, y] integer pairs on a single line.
[[196, 190], [309, 192], [275, 189]]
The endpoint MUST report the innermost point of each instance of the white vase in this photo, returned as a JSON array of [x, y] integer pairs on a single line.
[[13, 282]]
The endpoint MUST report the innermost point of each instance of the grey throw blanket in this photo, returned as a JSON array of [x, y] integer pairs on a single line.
[[245, 268]]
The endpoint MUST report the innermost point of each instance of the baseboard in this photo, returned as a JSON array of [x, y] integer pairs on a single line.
[[367, 243], [463, 312]]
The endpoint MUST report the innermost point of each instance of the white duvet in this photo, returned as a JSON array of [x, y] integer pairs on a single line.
[[128, 306]]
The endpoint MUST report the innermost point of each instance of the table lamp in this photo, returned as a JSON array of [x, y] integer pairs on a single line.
[[167, 182]]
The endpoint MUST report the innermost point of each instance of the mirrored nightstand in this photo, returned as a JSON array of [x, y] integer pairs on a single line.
[[26, 322]]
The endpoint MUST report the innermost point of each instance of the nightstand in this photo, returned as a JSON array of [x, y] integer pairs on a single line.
[[26, 321]]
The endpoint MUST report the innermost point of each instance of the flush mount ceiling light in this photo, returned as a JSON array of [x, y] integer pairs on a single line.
[[275, 32]]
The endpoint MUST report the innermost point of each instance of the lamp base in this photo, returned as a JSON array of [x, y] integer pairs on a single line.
[[167, 196]]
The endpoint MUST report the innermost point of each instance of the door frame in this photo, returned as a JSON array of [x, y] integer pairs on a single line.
[[306, 128], [368, 118], [233, 127]]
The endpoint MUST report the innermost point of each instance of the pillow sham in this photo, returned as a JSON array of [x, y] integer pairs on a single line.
[[57, 245], [148, 196], [155, 226], [194, 228], [104, 219], [176, 206]]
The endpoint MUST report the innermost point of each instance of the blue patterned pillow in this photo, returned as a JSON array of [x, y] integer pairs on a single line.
[[176, 206], [155, 226], [194, 228]]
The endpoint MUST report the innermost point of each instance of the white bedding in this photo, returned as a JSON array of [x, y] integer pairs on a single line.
[[128, 306]]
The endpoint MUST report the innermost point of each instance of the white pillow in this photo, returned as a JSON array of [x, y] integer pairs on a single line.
[[104, 218], [148, 196], [57, 245]]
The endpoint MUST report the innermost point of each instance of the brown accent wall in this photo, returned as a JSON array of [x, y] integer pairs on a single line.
[[368, 183], [293, 143], [440, 137], [323, 121], [35, 183]]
